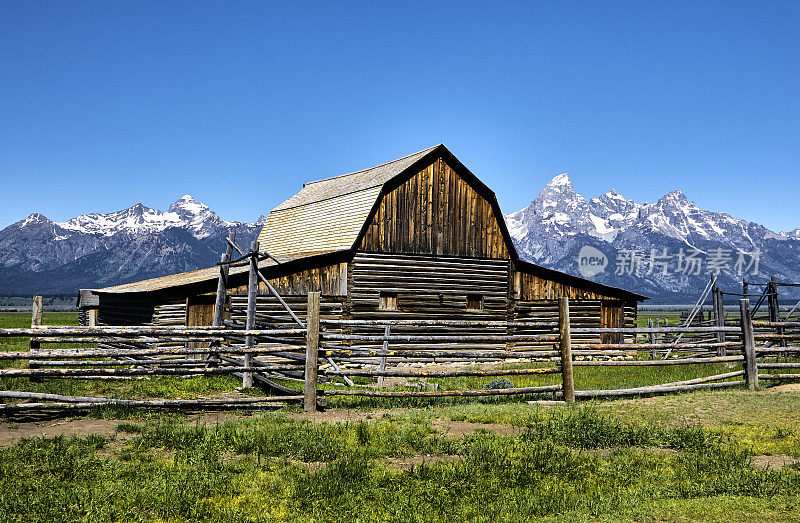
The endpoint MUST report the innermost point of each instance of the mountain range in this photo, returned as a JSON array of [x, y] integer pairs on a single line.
[[95, 250], [665, 250]]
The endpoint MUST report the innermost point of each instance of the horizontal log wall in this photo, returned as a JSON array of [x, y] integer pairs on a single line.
[[428, 288], [125, 309], [172, 313], [268, 310], [435, 212]]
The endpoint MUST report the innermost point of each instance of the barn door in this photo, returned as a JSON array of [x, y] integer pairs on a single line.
[[199, 313], [611, 316]]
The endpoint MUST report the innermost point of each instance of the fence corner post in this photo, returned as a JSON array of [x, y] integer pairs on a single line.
[[566, 351], [312, 353], [748, 345]]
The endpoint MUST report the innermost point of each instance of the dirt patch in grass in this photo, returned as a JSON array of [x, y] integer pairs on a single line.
[[776, 462], [786, 387], [455, 429], [11, 432], [420, 459], [345, 415]]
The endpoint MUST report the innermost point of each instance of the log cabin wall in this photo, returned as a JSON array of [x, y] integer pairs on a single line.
[[435, 212], [428, 287], [412, 286], [125, 309]]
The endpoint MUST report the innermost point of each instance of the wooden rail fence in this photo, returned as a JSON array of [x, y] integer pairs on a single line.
[[308, 353]]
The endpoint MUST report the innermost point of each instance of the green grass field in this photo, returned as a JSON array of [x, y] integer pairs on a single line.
[[587, 463], [683, 457]]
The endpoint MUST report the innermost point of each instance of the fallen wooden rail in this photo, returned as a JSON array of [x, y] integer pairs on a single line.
[[142, 331], [443, 393], [440, 338], [656, 389], [442, 373], [66, 373], [657, 363]]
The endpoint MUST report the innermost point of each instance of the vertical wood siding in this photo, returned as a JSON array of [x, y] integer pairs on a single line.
[[328, 280], [435, 212]]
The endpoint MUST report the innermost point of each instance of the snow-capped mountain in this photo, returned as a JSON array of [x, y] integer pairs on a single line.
[[647, 245], [186, 212], [95, 250]]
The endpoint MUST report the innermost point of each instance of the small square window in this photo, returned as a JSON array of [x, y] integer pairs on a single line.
[[474, 302], [388, 301]]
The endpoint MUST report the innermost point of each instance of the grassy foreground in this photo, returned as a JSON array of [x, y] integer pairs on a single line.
[[683, 457], [583, 463]]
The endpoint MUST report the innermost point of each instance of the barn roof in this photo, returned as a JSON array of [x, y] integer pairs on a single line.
[[328, 215]]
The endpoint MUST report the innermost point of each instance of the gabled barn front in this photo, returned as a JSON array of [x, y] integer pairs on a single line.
[[418, 237]]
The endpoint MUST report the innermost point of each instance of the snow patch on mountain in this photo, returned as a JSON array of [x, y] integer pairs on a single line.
[[186, 212]]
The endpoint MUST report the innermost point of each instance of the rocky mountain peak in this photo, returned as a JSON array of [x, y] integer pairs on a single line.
[[560, 180], [187, 205], [34, 219], [675, 197]]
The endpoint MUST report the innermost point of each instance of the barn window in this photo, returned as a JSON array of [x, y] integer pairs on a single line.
[[388, 301], [474, 302]]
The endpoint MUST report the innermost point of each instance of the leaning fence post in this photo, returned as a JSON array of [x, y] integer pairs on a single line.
[[250, 324], [312, 353], [748, 346], [566, 351]]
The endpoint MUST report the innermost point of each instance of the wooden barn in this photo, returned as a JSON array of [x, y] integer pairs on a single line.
[[418, 237]]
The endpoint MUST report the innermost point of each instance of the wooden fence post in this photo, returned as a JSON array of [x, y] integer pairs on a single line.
[[222, 295], [651, 338], [36, 321], [566, 351], [222, 283], [719, 314], [250, 324], [748, 346], [36, 318], [775, 310], [382, 365], [312, 353]]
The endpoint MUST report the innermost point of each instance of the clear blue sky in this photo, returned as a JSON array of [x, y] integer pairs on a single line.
[[106, 104]]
